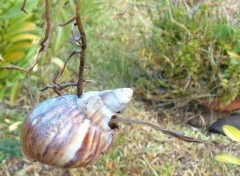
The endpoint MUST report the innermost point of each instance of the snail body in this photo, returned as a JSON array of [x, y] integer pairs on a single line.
[[70, 132]]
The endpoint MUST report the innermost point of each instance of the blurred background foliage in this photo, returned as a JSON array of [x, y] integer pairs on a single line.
[[21, 33], [170, 52], [193, 52], [18, 38], [177, 52]]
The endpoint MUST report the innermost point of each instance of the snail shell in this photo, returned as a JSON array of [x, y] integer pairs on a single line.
[[71, 132]]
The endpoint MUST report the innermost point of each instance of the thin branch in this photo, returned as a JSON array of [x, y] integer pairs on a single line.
[[44, 43], [65, 64], [23, 7], [61, 72], [59, 86], [116, 119], [83, 49], [69, 21]]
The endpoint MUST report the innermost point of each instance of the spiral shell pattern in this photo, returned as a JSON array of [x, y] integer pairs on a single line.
[[71, 132]]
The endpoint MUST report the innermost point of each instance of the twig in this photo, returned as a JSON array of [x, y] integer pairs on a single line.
[[83, 47], [65, 64], [59, 86], [69, 21], [43, 44], [61, 72], [116, 119], [23, 6], [48, 23]]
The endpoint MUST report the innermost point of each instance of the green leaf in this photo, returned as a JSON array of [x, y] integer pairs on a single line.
[[61, 38], [21, 37], [12, 13], [1, 92], [25, 27], [19, 46], [13, 9], [16, 22], [232, 132], [13, 56], [14, 92], [62, 34], [3, 73], [228, 159]]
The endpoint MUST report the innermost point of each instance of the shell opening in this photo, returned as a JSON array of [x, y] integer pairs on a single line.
[[113, 125]]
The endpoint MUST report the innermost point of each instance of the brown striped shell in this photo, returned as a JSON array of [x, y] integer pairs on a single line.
[[71, 132]]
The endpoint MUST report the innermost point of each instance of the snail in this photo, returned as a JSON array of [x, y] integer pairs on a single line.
[[69, 132]]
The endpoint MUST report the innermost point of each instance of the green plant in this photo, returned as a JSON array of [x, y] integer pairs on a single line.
[[192, 52], [18, 36], [234, 134], [9, 148], [20, 32], [10, 125]]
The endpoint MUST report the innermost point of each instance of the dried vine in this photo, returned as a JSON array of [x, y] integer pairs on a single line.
[[81, 42], [118, 119]]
